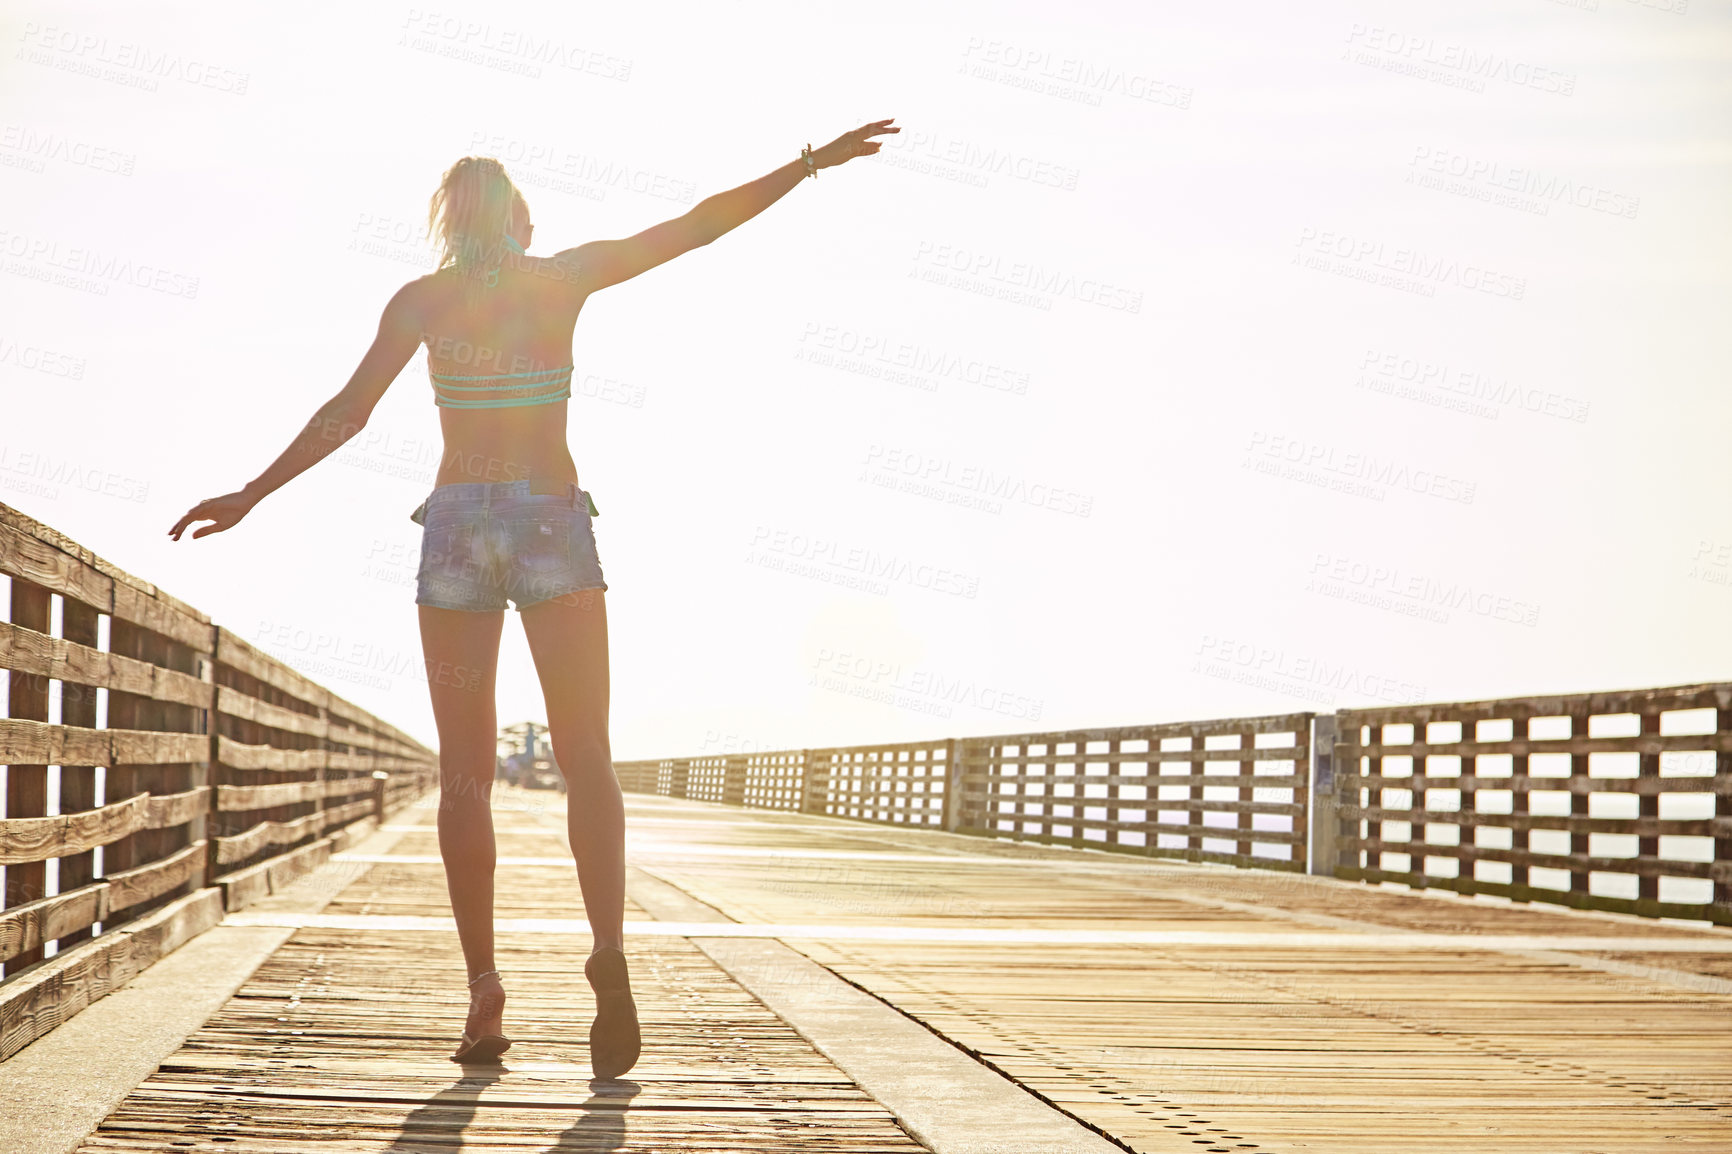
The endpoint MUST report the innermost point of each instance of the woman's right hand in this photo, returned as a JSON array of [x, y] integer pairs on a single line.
[[225, 512], [851, 144]]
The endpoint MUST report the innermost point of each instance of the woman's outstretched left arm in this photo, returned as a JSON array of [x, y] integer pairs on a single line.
[[337, 420]]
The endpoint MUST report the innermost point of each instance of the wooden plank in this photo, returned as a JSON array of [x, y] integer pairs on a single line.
[[164, 615], [244, 886], [237, 704], [236, 755], [35, 1002], [1673, 867], [245, 798], [241, 655], [266, 833], [129, 887], [28, 651], [344, 786], [1646, 743], [145, 747], [1647, 786], [24, 555], [341, 815], [29, 926], [35, 839], [1575, 823], [380, 744]]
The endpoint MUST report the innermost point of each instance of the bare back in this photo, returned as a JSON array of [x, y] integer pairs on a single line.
[[523, 323]]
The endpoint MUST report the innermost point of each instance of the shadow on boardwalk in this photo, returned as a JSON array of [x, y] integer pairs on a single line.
[[436, 1126]]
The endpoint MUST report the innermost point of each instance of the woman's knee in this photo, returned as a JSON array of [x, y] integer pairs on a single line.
[[583, 755], [459, 789]]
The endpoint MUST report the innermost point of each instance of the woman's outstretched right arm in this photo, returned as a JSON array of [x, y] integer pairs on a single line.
[[608, 262]]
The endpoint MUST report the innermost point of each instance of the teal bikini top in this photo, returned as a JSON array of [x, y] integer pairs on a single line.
[[540, 387]]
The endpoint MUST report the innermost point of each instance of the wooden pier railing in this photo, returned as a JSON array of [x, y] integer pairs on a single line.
[[194, 774], [1611, 801], [1230, 791]]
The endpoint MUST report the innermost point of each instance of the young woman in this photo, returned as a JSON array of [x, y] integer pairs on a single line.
[[507, 521]]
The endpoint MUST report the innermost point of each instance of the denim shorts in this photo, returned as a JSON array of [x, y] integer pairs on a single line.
[[483, 543]]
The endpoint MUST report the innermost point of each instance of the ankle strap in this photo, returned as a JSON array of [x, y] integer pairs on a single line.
[[478, 977]]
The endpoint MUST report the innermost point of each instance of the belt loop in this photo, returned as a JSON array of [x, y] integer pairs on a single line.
[[486, 498], [571, 498]]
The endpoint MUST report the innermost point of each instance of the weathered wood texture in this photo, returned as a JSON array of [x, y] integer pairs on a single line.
[[1280, 1043], [338, 1043], [1612, 801], [1285, 1046], [185, 759]]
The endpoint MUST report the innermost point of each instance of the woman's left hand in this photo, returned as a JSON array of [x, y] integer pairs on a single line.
[[224, 512]]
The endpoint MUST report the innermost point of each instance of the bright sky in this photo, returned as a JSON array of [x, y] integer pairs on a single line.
[[1176, 361]]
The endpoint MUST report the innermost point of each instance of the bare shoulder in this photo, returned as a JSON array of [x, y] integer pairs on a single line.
[[408, 304], [573, 265]]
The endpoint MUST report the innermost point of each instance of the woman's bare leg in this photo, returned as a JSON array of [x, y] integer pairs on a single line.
[[462, 656], [568, 640]]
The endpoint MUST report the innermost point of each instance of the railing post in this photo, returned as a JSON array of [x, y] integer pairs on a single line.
[[811, 788], [734, 771], [1325, 829], [952, 787], [380, 777]]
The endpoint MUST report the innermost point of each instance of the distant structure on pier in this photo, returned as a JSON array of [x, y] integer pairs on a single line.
[[526, 758]]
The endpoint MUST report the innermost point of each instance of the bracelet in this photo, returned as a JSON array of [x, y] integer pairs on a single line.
[[811, 165], [478, 977]]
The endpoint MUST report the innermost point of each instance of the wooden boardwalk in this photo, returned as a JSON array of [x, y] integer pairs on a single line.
[[1170, 1006]]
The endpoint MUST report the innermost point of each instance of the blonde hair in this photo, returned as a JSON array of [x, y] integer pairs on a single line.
[[470, 215]]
